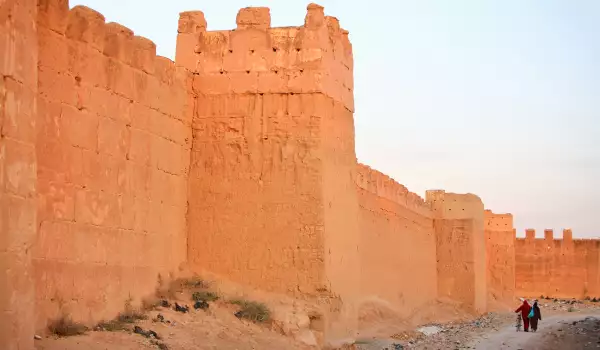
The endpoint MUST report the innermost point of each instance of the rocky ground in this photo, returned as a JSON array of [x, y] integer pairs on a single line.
[[578, 334], [566, 324]]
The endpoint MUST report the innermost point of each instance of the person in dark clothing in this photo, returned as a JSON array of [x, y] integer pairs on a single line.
[[524, 310], [537, 316]]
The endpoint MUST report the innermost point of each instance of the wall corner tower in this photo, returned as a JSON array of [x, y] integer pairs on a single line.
[[271, 186]]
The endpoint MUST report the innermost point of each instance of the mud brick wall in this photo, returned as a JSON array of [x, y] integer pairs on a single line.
[[558, 268], [118, 166], [113, 143], [397, 245], [500, 249], [271, 191], [460, 248], [18, 95]]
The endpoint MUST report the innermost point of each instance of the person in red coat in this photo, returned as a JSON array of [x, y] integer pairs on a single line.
[[525, 308]]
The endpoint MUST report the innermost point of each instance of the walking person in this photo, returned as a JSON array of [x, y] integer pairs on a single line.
[[537, 316], [524, 309]]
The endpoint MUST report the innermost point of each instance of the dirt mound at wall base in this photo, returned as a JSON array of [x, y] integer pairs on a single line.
[[216, 328], [378, 318]]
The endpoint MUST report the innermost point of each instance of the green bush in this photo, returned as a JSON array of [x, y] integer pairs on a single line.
[[253, 311]]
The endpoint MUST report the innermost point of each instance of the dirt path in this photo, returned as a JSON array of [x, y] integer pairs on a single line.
[[551, 332]]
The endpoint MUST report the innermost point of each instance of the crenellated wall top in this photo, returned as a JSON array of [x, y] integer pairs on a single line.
[[384, 186]]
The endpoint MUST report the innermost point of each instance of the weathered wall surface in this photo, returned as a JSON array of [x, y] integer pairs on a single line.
[[271, 192], [460, 248], [500, 255], [567, 268], [397, 244], [113, 140], [18, 95]]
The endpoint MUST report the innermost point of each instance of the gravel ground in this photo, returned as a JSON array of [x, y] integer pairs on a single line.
[[564, 326]]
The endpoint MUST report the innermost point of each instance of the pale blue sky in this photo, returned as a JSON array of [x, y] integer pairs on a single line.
[[498, 98]]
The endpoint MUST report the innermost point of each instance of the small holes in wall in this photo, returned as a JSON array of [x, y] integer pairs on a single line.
[[301, 70], [274, 49], [222, 72], [251, 51], [230, 51], [276, 72], [247, 72], [297, 50]]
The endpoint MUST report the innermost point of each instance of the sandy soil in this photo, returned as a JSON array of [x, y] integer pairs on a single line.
[[216, 328]]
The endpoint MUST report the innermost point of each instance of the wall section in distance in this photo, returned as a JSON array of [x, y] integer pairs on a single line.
[[500, 254], [567, 268], [397, 246]]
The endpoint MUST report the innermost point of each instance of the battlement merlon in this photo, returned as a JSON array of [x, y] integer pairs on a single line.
[[530, 234], [567, 235], [549, 234], [256, 58]]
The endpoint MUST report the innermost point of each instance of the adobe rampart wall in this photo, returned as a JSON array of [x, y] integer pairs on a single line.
[[271, 199], [113, 140], [118, 166], [460, 248], [18, 99], [500, 254], [559, 268], [397, 244]]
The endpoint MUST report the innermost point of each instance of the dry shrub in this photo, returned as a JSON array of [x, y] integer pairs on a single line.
[[252, 310], [150, 304], [180, 285], [130, 315], [205, 296], [66, 327], [125, 318], [194, 282], [112, 326]]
